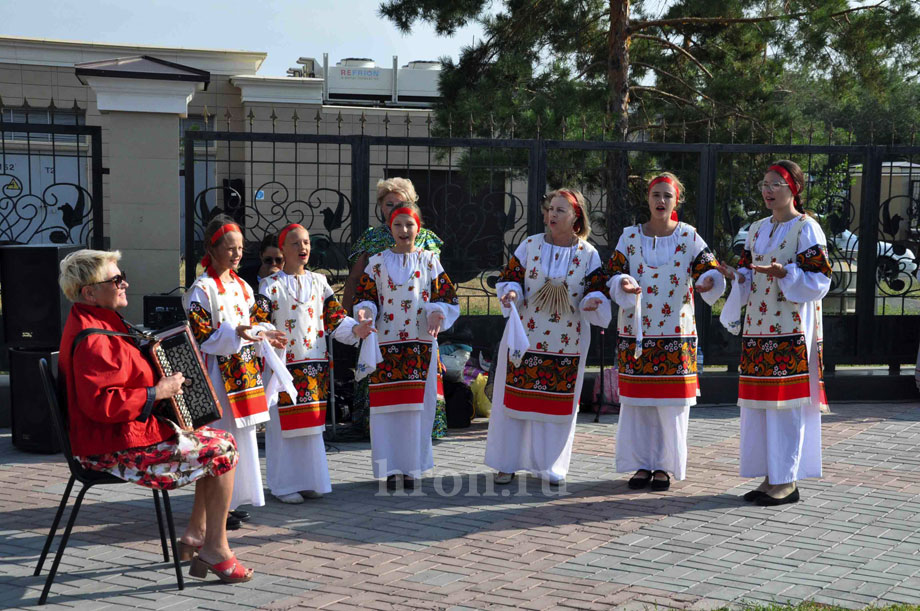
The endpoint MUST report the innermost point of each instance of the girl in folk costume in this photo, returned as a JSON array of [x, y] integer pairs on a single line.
[[556, 281], [302, 303], [391, 193], [405, 289], [653, 273], [780, 281], [222, 312]]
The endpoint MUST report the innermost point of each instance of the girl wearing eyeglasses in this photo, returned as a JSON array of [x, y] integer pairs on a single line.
[[271, 259], [781, 278], [654, 272]]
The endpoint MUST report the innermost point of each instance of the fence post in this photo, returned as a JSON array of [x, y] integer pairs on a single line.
[[98, 200], [536, 186], [706, 220], [189, 171], [867, 257], [360, 186]]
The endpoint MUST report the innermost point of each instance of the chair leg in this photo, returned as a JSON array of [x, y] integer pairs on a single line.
[[63, 544], [156, 503], [172, 538], [54, 525]]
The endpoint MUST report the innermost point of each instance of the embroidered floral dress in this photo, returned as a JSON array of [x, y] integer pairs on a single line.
[[658, 383], [532, 423], [780, 390], [663, 372], [780, 334], [401, 290], [376, 240], [305, 308], [215, 310]]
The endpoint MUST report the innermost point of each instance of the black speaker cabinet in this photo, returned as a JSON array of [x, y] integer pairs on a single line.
[[163, 310], [31, 420], [34, 307]]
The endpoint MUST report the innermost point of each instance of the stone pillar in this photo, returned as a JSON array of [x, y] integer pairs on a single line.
[[143, 202], [141, 100]]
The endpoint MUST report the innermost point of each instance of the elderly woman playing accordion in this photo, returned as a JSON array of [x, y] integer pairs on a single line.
[[111, 392]]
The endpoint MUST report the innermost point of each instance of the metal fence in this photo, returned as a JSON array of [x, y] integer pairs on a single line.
[[50, 177], [483, 195]]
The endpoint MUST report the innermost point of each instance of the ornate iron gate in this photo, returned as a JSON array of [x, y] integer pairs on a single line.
[[482, 196]]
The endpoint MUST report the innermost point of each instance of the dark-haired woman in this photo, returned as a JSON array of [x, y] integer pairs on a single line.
[[782, 276], [221, 309]]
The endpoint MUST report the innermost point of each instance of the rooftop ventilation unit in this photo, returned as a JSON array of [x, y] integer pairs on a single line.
[[359, 80]]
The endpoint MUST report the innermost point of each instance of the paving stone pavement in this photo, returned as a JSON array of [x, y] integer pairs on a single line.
[[459, 542]]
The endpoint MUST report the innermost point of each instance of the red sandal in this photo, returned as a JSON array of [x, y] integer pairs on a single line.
[[228, 571]]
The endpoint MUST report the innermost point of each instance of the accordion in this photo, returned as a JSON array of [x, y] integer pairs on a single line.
[[174, 350]]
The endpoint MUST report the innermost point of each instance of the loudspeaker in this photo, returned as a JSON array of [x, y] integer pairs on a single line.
[[163, 310], [34, 307], [32, 427]]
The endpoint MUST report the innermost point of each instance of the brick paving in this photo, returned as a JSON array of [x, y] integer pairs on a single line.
[[460, 543]]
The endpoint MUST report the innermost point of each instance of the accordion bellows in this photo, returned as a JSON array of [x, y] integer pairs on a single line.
[[172, 350]]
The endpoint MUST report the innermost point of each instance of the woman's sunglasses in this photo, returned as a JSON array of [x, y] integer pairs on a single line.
[[116, 281], [275, 260]]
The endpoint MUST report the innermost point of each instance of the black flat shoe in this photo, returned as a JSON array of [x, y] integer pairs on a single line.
[[768, 501], [660, 485], [233, 523], [242, 516], [637, 482], [408, 482], [752, 495], [391, 482]]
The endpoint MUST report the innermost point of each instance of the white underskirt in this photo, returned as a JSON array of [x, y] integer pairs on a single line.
[[247, 480], [401, 441], [542, 448], [784, 445], [294, 464], [653, 438]]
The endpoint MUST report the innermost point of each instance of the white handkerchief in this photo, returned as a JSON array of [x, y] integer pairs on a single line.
[[281, 379], [731, 312], [638, 351], [518, 343], [368, 357]]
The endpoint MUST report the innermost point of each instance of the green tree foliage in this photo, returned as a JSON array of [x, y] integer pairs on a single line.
[[675, 70]]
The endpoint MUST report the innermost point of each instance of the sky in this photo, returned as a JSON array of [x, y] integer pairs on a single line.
[[285, 29]]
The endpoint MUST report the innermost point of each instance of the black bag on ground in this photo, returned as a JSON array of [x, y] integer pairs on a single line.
[[458, 399]]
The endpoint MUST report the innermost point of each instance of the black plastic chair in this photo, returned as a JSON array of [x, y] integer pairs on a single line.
[[89, 479]]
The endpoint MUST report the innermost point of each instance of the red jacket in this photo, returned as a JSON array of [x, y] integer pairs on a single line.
[[106, 386]]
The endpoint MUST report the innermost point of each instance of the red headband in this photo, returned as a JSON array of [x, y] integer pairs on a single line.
[[786, 176], [404, 210], [206, 260], [283, 235], [671, 182], [225, 229], [570, 197]]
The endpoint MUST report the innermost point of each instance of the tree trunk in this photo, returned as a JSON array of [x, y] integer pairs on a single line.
[[618, 200]]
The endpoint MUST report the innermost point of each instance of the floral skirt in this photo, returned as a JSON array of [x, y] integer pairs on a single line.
[[439, 429], [180, 460]]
